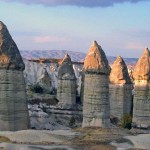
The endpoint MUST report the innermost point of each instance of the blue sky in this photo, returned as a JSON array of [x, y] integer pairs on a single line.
[[120, 27]]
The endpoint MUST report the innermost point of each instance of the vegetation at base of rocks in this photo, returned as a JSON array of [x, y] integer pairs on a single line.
[[126, 121], [72, 122], [94, 138], [4, 139], [48, 101], [44, 109], [36, 88], [114, 120], [53, 92]]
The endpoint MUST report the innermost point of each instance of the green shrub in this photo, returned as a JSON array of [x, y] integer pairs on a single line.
[[72, 121], [36, 88], [126, 121]]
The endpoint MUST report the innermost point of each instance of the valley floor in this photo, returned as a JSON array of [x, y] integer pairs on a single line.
[[75, 139]]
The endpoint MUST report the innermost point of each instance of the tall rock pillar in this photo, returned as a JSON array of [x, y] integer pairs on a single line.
[[66, 88], [96, 107], [13, 100], [141, 103], [120, 90]]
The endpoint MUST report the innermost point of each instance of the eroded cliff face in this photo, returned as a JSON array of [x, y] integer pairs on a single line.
[[96, 107], [66, 87], [13, 101], [120, 90], [141, 75]]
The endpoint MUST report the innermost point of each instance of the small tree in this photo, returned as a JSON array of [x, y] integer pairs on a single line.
[[72, 121], [36, 88], [126, 121]]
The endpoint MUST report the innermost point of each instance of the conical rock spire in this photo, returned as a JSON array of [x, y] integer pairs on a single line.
[[96, 61], [142, 68], [95, 88], [10, 57], [119, 72], [66, 70], [66, 86], [45, 81]]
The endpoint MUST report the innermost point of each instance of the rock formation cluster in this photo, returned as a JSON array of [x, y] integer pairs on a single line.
[[13, 101], [104, 92], [120, 90], [141, 104], [66, 88], [96, 107]]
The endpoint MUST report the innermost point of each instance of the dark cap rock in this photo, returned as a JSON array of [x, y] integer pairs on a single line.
[[119, 72], [96, 61], [10, 57]]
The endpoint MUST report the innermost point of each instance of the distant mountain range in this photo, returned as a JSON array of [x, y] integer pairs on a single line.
[[75, 56]]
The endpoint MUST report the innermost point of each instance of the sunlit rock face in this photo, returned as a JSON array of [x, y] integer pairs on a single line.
[[66, 87], [96, 107], [141, 75], [13, 101], [120, 90]]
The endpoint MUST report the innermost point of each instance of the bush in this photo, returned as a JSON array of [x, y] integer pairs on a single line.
[[114, 120], [126, 121], [36, 88], [72, 122]]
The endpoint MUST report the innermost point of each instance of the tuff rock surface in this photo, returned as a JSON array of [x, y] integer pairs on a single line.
[[45, 81], [66, 87], [96, 107], [96, 61], [120, 90], [10, 57], [13, 105], [141, 75]]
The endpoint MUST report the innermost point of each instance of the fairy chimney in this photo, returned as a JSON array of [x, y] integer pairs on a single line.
[[66, 87], [141, 102], [13, 100], [120, 90], [45, 81], [96, 107]]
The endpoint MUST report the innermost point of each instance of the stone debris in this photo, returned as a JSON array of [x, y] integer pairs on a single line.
[[141, 75], [120, 90], [66, 87], [13, 101], [96, 107]]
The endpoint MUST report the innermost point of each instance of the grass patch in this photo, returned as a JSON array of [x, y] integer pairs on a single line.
[[94, 138], [4, 139]]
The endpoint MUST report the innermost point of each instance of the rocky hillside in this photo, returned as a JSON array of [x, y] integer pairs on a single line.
[[75, 56]]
